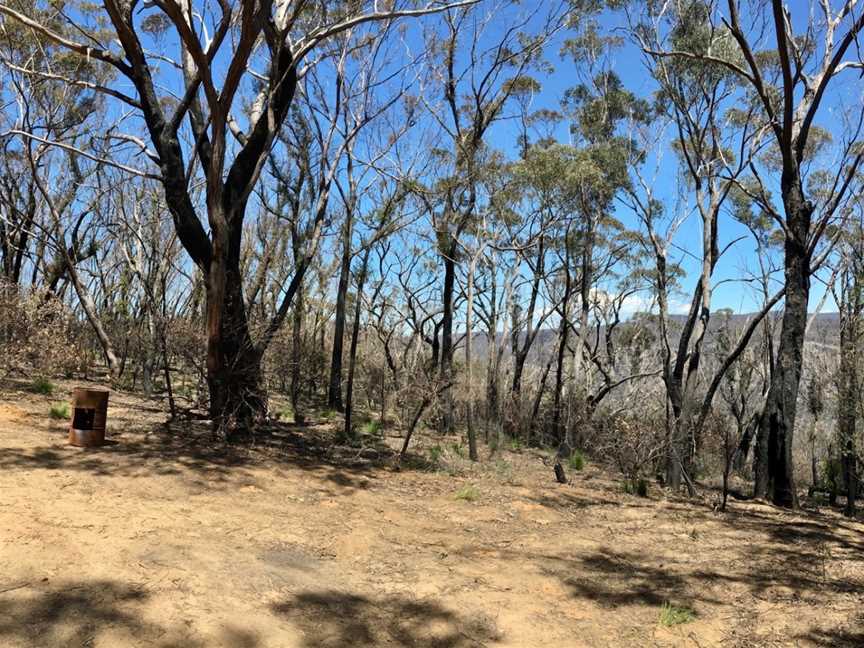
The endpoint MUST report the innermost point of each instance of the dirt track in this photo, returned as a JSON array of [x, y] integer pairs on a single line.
[[158, 541]]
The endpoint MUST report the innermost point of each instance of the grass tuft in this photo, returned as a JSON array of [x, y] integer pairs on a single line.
[[458, 449], [42, 386], [468, 493], [59, 412], [638, 486], [576, 461], [372, 428], [672, 615], [436, 452]]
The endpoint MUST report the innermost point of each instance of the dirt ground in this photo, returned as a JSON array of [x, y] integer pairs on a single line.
[[162, 540]]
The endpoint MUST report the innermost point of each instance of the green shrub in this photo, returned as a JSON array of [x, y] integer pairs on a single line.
[[285, 414], [59, 412], [515, 444], [672, 615], [42, 386], [637, 486], [372, 428], [576, 461], [328, 414], [435, 454], [468, 493], [458, 449]]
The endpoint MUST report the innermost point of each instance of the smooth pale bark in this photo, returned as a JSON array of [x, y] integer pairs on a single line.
[[92, 316]]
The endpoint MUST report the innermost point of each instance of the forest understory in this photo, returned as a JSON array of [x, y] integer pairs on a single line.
[[161, 539]]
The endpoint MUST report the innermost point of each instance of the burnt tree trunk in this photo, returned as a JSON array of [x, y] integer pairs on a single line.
[[557, 406], [348, 431], [237, 398], [296, 349], [848, 388], [447, 416], [774, 469], [334, 389]]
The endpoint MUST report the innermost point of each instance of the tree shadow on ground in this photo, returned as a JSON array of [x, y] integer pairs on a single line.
[[566, 501], [613, 579], [789, 555], [75, 614], [845, 637], [610, 579], [332, 619], [190, 451]]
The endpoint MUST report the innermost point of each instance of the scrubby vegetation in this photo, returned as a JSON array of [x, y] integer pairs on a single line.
[[609, 238]]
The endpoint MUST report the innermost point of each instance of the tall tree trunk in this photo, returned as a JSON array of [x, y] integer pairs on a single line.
[[492, 359], [558, 429], [237, 398], [296, 350], [469, 323], [849, 388], [334, 388], [348, 431], [93, 317], [774, 471], [848, 405], [447, 416]]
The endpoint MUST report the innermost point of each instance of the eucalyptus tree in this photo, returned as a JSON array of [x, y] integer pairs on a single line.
[[477, 71], [699, 100], [377, 156], [245, 57], [61, 213], [788, 86], [602, 115], [849, 296], [42, 106]]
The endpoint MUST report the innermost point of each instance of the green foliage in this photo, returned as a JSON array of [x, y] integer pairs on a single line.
[[596, 112], [815, 397], [576, 461], [832, 471], [42, 386], [285, 414], [636, 486], [59, 412], [515, 444], [458, 449], [672, 615], [372, 428], [328, 414], [468, 493], [435, 454]]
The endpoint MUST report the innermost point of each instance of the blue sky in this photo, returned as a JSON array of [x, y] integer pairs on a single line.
[[740, 260], [627, 62]]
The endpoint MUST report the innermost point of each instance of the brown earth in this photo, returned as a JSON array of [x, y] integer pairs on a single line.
[[164, 539]]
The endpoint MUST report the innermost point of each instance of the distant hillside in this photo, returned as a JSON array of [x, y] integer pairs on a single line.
[[824, 331]]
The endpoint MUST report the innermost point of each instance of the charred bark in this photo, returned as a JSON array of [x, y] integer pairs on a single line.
[[774, 469]]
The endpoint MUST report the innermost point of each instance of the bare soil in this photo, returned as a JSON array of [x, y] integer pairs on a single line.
[[165, 539]]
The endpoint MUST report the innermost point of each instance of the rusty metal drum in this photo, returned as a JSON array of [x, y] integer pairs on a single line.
[[89, 416]]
